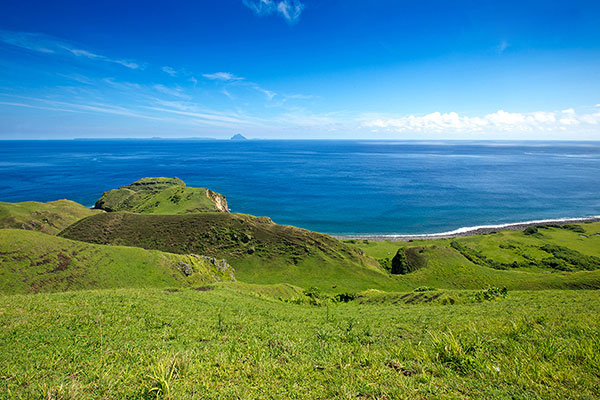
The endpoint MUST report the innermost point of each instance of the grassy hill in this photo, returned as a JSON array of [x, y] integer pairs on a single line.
[[51, 217], [224, 344], [37, 262], [161, 196], [506, 258], [260, 250], [266, 253], [121, 305]]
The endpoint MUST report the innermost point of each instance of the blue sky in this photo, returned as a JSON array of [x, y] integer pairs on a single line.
[[300, 69]]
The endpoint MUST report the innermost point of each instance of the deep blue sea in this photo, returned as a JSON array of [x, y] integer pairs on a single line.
[[338, 187]]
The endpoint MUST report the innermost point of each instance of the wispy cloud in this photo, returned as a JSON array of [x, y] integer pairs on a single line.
[[233, 80], [169, 70], [290, 10], [222, 76], [502, 47], [270, 94], [49, 45], [499, 121], [176, 92]]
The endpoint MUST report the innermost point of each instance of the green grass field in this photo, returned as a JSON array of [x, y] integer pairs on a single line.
[[124, 305], [37, 262], [224, 344], [51, 217]]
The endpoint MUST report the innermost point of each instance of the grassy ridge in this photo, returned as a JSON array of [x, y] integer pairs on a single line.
[[140, 344], [36, 262], [161, 196], [261, 251], [282, 254], [51, 217]]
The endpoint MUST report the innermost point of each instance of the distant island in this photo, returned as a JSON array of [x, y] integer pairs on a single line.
[[239, 136]]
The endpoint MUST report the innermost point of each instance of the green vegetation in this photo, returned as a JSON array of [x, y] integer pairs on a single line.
[[36, 262], [514, 259], [142, 305], [161, 196], [259, 250], [220, 343], [408, 260], [51, 217]]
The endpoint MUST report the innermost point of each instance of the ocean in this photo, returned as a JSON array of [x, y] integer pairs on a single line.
[[336, 187]]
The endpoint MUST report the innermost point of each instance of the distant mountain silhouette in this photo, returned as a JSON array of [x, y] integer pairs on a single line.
[[238, 136]]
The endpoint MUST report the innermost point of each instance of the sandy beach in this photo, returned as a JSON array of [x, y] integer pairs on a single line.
[[470, 231]]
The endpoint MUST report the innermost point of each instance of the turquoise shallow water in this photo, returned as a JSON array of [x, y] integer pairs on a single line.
[[340, 187]]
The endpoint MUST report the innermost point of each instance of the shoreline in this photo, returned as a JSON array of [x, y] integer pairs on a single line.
[[467, 231]]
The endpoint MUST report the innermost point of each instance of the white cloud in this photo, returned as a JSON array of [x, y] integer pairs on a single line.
[[266, 92], [128, 64], [222, 76], [226, 93], [49, 45], [290, 10], [176, 92], [499, 121], [169, 70], [502, 46]]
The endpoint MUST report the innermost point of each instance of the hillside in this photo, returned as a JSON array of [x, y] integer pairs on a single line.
[[161, 196], [557, 256], [51, 217], [37, 262], [221, 344], [260, 250]]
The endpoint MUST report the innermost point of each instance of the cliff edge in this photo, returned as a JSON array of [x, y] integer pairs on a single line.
[[162, 196]]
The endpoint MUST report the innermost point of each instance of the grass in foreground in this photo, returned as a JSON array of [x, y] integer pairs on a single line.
[[222, 343]]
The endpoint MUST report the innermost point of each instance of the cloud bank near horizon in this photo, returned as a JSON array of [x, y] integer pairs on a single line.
[[499, 121]]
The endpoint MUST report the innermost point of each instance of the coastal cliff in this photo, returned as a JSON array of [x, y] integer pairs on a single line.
[[162, 196]]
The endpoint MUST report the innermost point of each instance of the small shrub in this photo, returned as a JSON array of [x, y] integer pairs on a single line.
[[424, 289], [345, 297], [489, 294], [531, 230], [313, 292], [385, 263]]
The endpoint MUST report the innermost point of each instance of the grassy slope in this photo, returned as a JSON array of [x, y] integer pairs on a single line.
[[36, 262], [51, 217], [261, 251], [447, 268], [161, 196], [140, 344]]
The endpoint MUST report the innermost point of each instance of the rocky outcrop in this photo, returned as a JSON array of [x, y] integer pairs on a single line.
[[219, 200], [221, 265], [162, 196]]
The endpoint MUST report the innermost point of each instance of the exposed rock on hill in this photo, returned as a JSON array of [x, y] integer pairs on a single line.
[[162, 196]]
